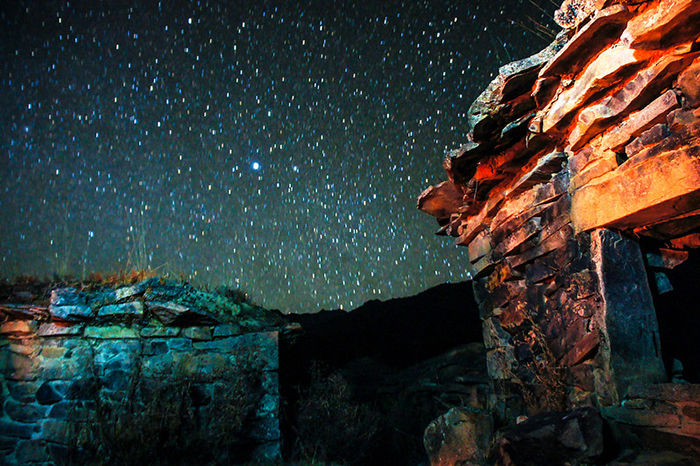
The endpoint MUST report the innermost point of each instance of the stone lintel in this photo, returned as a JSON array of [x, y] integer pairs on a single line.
[[659, 188]]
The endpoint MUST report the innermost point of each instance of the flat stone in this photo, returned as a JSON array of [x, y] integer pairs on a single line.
[[538, 195], [171, 313], [639, 417], [604, 163], [54, 430], [527, 231], [32, 451], [666, 258], [53, 329], [16, 429], [557, 240], [52, 352], [67, 297], [571, 437], [480, 246], [197, 333], [59, 369], [573, 13], [24, 412], [72, 313], [19, 328], [667, 23], [121, 311], [640, 121], [127, 292], [633, 95], [656, 189], [23, 391], [159, 332], [441, 201], [24, 311], [110, 332], [227, 330], [651, 137], [608, 68], [604, 28]]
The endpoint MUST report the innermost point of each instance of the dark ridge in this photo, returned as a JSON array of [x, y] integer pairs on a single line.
[[398, 332]]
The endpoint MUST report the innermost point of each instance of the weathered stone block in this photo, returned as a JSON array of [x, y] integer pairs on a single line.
[[457, 437], [75, 313], [662, 187], [48, 394], [19, 328], [110, 332], [171, 313], [611, 66], [604, 28], [227, 330], [67, 297], [636, 93], [640, 121], [24, 412], [50, 329], [197, 333], [17, 429], [158, 332], [59, 369], [130, 310], [667, 23], [54, 430], [629, 321], [31, 451]]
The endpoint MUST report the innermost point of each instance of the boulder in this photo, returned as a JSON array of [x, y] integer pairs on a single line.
[[459, 436], [552, 439]]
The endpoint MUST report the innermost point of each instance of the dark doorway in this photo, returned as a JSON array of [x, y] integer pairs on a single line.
[[676, 293]]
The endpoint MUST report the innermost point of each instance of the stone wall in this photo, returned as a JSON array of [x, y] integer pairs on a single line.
[[572, 156], [124, 374]]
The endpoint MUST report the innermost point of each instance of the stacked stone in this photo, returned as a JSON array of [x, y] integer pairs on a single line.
[[595, 135], [51, 358]]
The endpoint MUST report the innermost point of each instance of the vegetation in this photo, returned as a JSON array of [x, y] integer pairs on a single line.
[[330, 425], [177, 419]]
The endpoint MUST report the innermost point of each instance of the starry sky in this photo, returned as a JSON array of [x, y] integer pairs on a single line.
[[275, 146]]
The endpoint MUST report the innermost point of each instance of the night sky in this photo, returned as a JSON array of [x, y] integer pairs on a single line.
[[276, 146]]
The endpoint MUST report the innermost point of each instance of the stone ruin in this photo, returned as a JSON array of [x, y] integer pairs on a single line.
[[577, 195], [155, 371]]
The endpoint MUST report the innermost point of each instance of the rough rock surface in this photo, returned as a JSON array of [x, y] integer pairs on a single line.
[[459, 436], [603, 147], [87, 353], [572, 437]]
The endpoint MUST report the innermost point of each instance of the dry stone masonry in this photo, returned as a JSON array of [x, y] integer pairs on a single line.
[[574, 158], [153, 368]]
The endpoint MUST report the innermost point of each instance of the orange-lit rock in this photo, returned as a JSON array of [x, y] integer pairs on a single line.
[[601, 149]]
